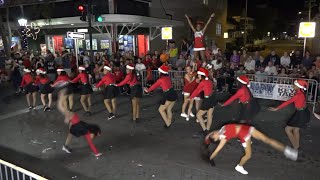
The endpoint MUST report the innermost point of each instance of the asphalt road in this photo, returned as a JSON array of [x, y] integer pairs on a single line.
[[33, 140]]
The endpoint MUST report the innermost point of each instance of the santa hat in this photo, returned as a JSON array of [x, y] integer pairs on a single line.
[[107, 68], [130, 66], [302, 84], [244, 80], [164, 69], [41, 71], [26, 70], [60, 68], [82, 68], [203, 72]]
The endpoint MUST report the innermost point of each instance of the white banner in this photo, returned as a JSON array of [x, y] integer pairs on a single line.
[[281, 92]]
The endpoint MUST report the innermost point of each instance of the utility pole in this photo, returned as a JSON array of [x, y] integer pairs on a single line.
[[245, 25], [90, 27]]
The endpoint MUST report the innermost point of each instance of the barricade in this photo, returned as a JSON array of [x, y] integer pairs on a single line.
[[280, 88], [10, 171]]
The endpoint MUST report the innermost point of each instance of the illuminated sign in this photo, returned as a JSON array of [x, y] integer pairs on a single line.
[[307, 30], [166, 33]]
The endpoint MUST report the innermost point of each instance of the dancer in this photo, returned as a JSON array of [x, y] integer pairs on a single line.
[[209, 101], [27, 84], [300, 117], [43, 82], [169, 96], [76, 127], [110, 92], [244, 134], [68, 98], [190, 84], [199, 46], [249, 106], [135, 89], [85, 89]]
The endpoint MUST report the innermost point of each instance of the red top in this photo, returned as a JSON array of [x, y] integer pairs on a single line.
[[147, 61], [189, 86], [229, 132], [163, 82], [42, 80], [206, 86], [107, 80], [75, 119], [26, 79], [118, 75], [130, 79], [83, 77], [299, 100], [242, 94], [198, 39], [27, 63], [149, 74]]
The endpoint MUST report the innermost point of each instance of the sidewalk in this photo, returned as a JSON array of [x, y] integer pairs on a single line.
[[153, 152]]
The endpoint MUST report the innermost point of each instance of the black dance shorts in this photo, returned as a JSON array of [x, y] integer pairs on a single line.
[[30, 88], [300, 118], [83, 128], [136, 91], [85, 89], [209, 102], [111, 91], [46, 89], [169, 95]]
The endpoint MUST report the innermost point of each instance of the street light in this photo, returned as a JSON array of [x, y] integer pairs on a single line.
[[22, 22], [299, 12]]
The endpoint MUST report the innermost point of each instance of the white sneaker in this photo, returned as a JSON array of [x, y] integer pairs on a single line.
[[192, 115], [98, 155], [240, 169], [187, 119], [291, 153], [66, 149], [184, 115]]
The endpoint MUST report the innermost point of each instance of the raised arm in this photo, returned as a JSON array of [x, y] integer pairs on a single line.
[[208, 22], [190, 24]]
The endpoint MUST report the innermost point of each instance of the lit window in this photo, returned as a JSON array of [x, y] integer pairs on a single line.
[[206, 2], [218, 29]]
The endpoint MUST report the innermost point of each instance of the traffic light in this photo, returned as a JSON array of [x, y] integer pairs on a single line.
[[98, 18], [83, 13], [97, 14]]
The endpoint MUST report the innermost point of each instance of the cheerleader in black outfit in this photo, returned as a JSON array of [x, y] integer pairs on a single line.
[[169, 96], [45, 89], [111, 91], [135, 89], [85, 89], [77, 128], [30, 89], [300, 117]]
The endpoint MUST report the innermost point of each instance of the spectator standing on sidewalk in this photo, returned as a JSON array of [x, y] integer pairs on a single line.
[[184, 47], [285, 60], [50, 66], [296, 59], [250, 65], [235, 58], [173, 54], [58, 59], [66, 62]]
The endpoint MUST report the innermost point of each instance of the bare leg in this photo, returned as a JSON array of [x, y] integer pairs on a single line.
[[190, 107], [162, 111], [114, 105], [247, 155], [83, 102], [271, 142], [185, 104], [296, 135], [70, 99], [34, 98], [50, 100], [198, 104], [203, 56], [108, 105], [169, 111], [137, 107], [289, 132], [210, 115], [28, 99], [43, 100], [134, 108], [196, 55], [89, 101], [68, 139], [200, 119]]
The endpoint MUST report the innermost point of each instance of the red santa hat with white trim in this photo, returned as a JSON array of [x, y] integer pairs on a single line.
[[164, 69], [203, 72], [302, 84], [130, 66], [60, 68], [42, 71], [26, 70], [244, 80], [82, 68], [107, 68]]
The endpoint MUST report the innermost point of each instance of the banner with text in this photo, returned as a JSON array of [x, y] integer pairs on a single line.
[[281, 92]]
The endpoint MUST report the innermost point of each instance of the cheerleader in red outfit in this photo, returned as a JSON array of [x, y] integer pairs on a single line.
[[190, 84], [85, 89], [249, 106], [300, 117], [244, 134], [63, 77], [46, 89], [27, 84], [135, 90], [169, 96], [111, 91], [76, 127], [199, 46], [207, 106]]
